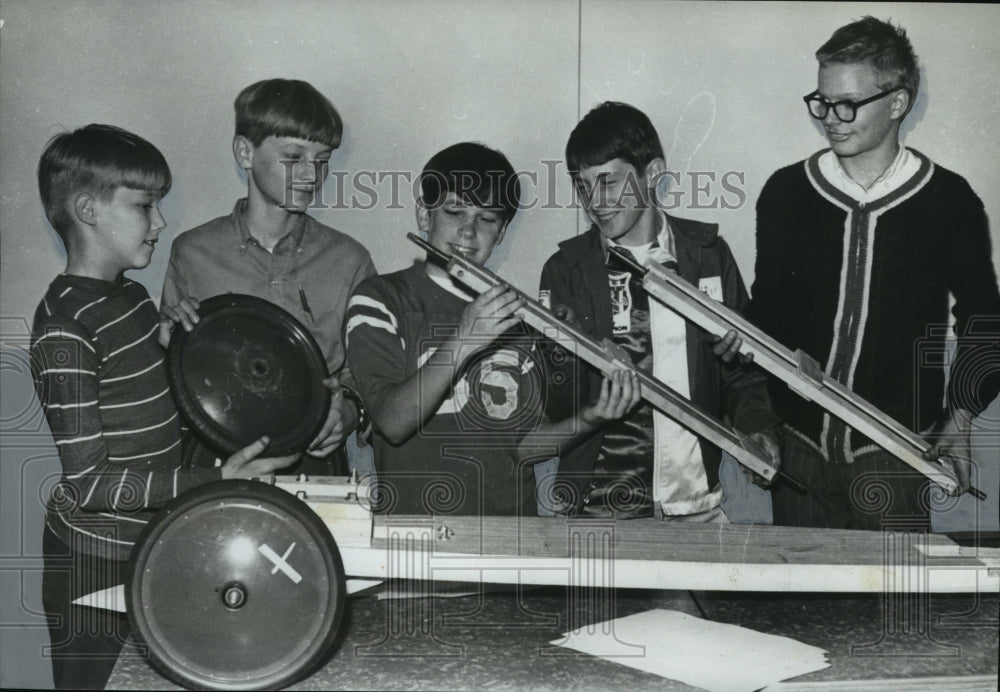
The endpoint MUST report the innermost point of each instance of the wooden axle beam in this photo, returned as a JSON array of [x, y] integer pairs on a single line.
[[633, 553], [639, 553], [650, 553]]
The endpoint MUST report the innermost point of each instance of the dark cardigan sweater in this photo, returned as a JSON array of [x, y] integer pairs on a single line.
[[864, 289]]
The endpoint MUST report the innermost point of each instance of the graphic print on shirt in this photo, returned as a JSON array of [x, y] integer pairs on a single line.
[[497, 391], [621, 302]]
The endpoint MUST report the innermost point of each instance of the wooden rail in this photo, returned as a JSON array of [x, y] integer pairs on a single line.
[[796, 369], [742, 448]]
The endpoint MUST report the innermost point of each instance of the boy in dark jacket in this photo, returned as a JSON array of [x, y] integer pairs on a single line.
[[646, 464]]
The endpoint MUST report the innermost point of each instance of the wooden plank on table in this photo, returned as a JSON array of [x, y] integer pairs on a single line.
[[638, 553], [654, 554], [655, 540]]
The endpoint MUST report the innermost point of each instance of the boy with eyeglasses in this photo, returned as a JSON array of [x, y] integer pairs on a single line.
[[858, 248]]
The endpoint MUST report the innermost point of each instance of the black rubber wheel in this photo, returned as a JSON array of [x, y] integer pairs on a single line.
[[236, 585], [248, 368]]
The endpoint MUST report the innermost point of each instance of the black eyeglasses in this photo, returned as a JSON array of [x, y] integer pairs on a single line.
[[845, 111]]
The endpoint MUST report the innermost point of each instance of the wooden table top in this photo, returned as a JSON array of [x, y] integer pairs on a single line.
[[500, 640]]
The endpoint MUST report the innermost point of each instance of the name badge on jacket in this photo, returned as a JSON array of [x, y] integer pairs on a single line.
[[711, 286], [621, 302]]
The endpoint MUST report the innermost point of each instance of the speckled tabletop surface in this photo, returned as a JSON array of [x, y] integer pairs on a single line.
[[872, 637], [501, 640]]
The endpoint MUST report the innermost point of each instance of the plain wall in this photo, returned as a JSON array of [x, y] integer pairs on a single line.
[[721, 81]]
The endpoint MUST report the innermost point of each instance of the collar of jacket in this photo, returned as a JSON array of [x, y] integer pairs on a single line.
[[689, 237], [585, 254]]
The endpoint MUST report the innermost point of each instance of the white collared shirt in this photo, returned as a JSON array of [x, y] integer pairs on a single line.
[[902, 168], [662, 250]]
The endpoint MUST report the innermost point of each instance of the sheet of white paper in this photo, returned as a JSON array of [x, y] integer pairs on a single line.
[[114, 597], [711, 655], [353, 586], [108, 599]]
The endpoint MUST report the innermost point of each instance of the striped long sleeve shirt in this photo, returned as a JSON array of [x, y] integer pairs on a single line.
[[100, 375]]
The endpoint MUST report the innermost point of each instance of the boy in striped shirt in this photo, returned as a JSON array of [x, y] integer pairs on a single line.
[[98, 363]]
